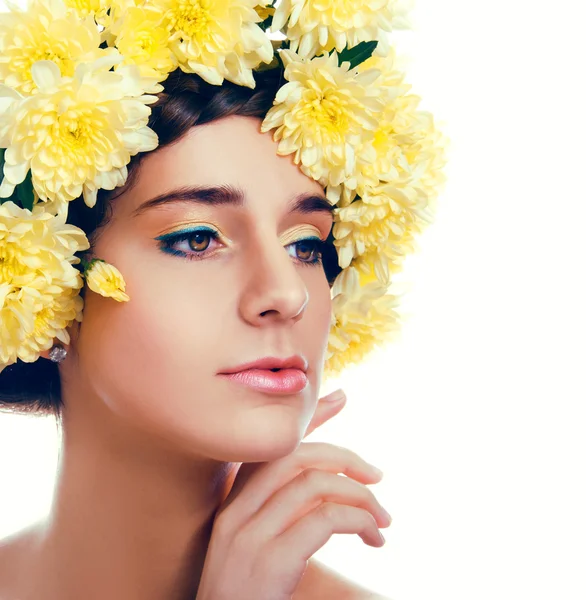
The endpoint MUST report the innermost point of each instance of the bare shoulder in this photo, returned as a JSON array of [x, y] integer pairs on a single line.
[[8, 551], [9, 548], [14, 550], [321, 582], [14, 544]]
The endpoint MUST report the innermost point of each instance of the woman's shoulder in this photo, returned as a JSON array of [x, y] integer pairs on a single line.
[[12, 548], [11, 545], [16, 550], [321, 582]]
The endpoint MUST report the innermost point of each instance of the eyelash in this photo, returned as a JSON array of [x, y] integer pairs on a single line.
[[170, 240]]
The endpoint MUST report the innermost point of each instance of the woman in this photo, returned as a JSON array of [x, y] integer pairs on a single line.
[[153, 434], [183, 397]]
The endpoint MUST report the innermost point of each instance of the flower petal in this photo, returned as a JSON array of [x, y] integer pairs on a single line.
[[45, 74]]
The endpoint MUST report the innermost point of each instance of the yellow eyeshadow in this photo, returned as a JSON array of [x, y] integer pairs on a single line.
[[298, 233], [192, 225], [293, 235]]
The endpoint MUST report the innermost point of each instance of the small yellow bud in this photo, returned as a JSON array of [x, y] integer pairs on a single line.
[[105, 279]]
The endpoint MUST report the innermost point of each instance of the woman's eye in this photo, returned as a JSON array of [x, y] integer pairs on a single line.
[[194, 245], [309, 251]]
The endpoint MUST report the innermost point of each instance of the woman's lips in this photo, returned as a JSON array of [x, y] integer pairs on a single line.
[[283, 381]]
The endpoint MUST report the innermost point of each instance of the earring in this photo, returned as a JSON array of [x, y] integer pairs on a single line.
[[58, 353]]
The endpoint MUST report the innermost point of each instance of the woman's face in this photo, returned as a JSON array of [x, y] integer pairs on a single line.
[[201, 305]]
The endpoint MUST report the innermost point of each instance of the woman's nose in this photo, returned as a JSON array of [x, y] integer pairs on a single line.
[[275, 289]]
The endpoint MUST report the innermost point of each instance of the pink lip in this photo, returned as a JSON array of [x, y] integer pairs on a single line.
[[285, 381], [271, 362]]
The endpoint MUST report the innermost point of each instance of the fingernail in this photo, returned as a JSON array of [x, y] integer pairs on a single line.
[[335, 396]]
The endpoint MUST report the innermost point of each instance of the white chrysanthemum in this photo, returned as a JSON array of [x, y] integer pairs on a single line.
[[45, 31], [323, 114], [217, 39], [77, 134], [39, 287], [314, 27], [363, 318]]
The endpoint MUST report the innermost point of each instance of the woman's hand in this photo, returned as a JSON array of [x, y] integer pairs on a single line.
[[279, 513]]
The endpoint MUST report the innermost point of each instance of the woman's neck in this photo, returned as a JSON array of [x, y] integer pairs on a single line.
[[128, 519]]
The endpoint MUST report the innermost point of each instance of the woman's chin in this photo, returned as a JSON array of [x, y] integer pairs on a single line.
[[267, 434]]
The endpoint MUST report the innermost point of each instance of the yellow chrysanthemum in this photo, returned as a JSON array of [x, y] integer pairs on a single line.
[[76, 134], [317, 26], [379, 216], [104, 12], [397, 179], [383, 221], [363, 318], [391, 67], [106, 280], [39, 287], [144, 42], [217, 39], [378, 263], [322, 114], [44, 32], [89, 8], [387, 217], [407, 150]]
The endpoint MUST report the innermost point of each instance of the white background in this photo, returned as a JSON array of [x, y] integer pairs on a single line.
[[477, 414]]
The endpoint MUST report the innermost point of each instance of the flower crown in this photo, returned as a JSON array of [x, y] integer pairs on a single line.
[[78, 77]]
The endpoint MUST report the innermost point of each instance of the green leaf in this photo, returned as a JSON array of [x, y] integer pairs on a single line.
[[2, 151], [24, 192], [88, 264], [358, 54]]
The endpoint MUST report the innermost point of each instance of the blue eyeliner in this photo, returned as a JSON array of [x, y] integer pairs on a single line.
[[168, 240], [176, 234]]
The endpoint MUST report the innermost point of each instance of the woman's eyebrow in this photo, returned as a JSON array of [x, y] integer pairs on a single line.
[[230, 195]]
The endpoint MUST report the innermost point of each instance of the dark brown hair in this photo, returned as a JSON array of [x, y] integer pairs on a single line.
[[187, 101]]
